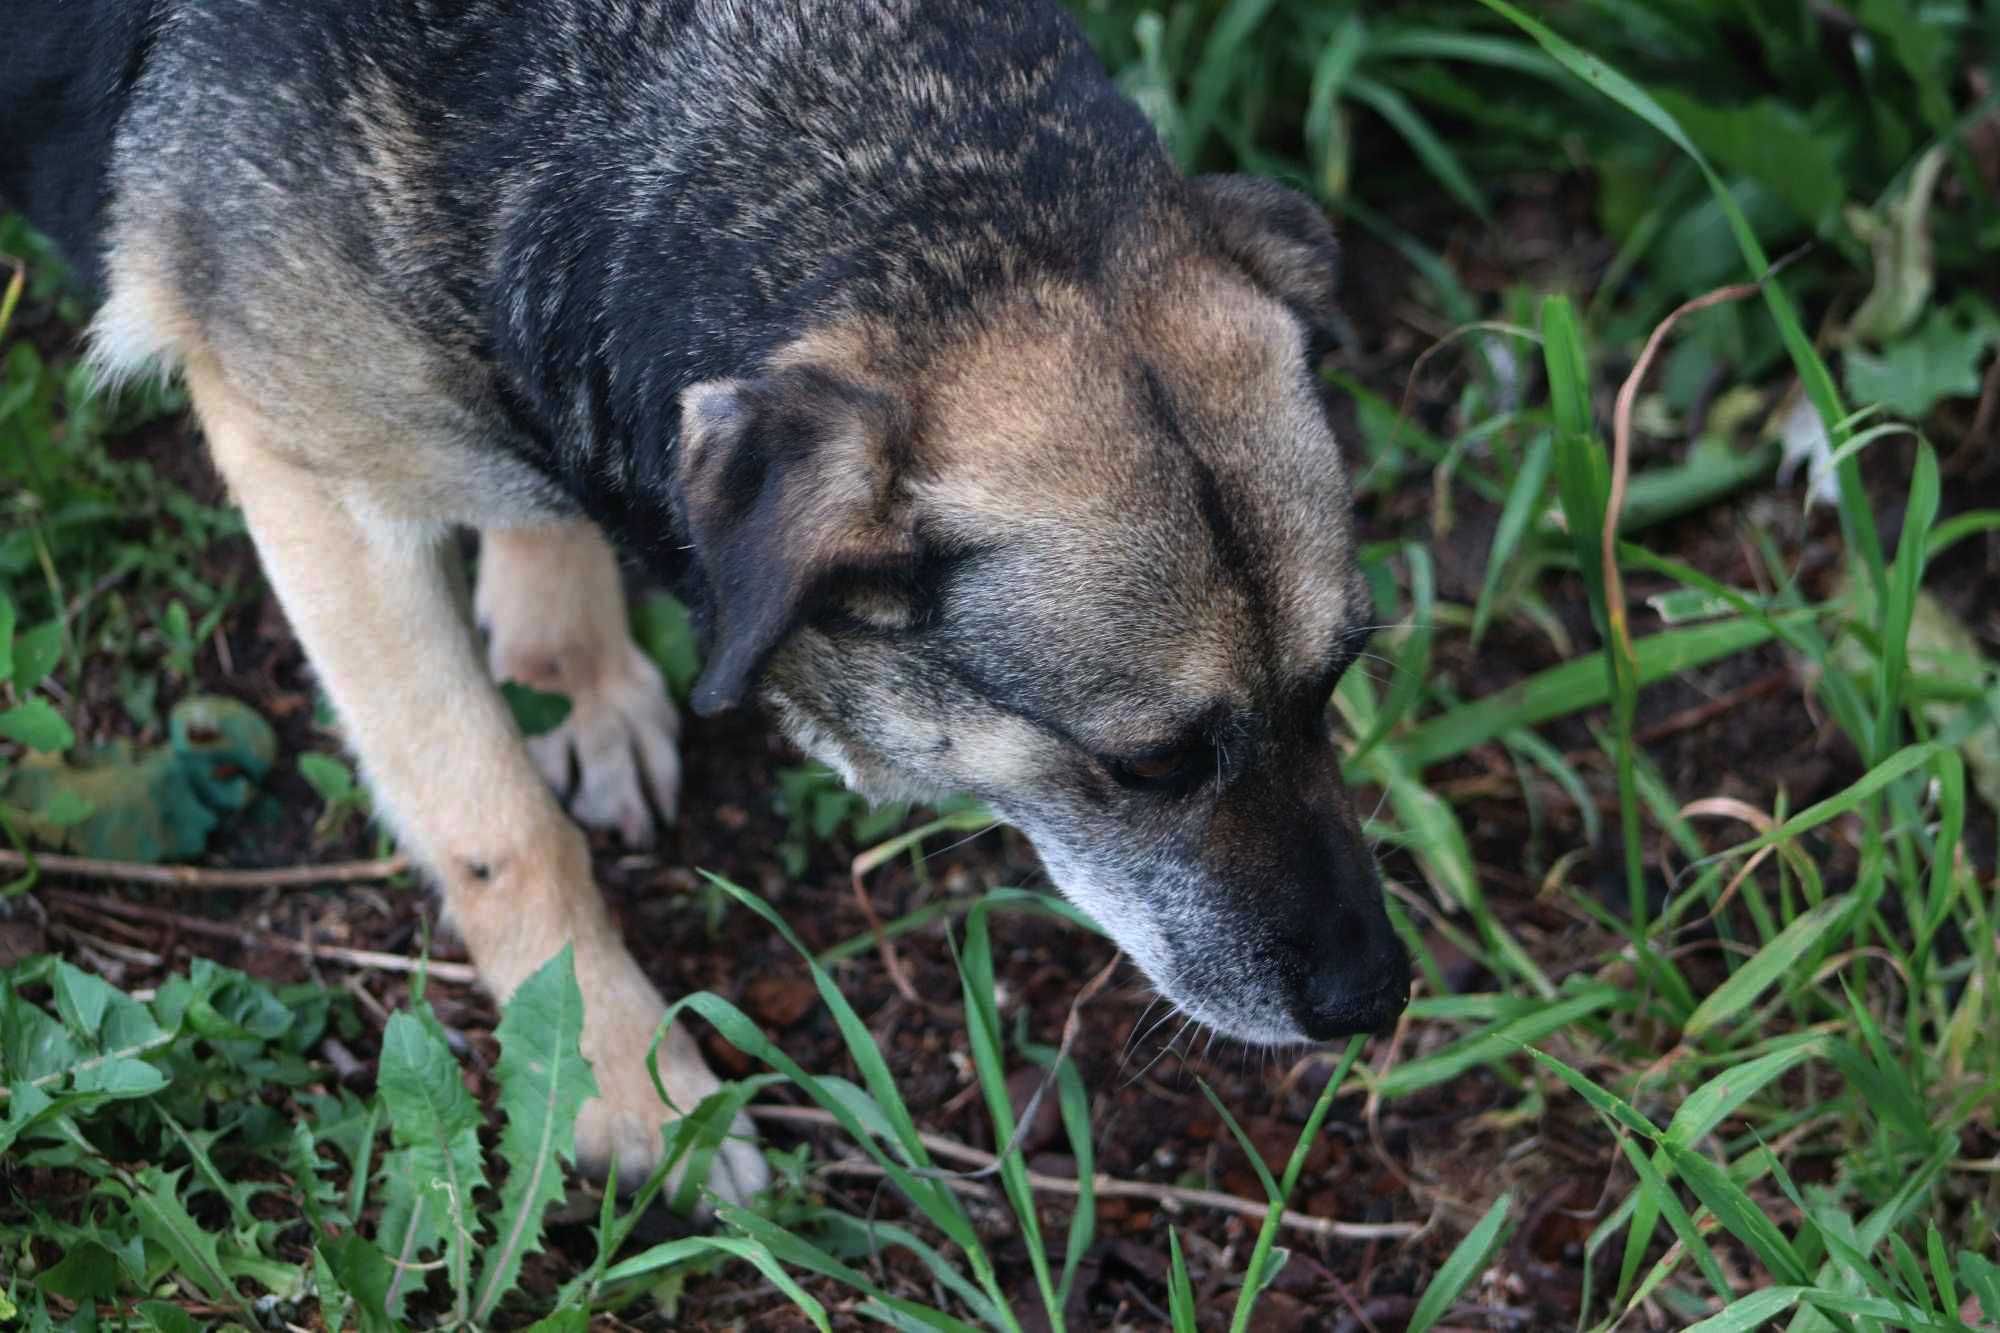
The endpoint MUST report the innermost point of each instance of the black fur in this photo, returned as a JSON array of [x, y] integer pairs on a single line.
[[66, 69]]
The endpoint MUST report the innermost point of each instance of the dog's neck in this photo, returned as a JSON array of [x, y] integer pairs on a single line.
[[683, 226]]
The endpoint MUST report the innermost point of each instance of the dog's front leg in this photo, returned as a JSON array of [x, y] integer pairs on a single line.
[[374, 597]]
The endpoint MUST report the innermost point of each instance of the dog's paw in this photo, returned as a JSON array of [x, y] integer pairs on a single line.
[[551, 606], [631, 1136], [617, 746], [624, 1123]]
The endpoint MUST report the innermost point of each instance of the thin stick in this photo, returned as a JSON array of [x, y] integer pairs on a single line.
[[199, 878], [1621, 450], [460, 973], [892, 961], [1108, 1187]]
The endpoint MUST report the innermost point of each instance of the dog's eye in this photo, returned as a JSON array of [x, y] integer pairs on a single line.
[[1172, 770]]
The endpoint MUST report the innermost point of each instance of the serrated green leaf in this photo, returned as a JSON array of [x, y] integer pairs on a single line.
[[1921, 47], [82, 1000], [65, 808], [1982, 1276], [87, 1272], [562, 1321], [119, 1079], [330, 1291], [35, 723], [33, 1044], [1913, 374], [436, 1127], [361, 1275], [544, 1082], [6, 638], [165, 1221]]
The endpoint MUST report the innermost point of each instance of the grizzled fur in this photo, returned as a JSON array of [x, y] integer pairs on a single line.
[[986, 445]]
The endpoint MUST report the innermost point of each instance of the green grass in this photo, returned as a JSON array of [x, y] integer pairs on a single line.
[[1792, 1047]]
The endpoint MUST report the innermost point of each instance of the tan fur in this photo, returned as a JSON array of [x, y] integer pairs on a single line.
[[373, 596]]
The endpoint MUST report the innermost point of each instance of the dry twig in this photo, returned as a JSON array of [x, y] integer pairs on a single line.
[[199, 878], [463, 974], [1106, 1187]]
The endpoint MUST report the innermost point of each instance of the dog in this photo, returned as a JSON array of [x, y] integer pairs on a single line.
[[986, 445]]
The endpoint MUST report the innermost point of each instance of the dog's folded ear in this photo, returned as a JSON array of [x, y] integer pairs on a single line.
[[1283, 240], [786, 483]]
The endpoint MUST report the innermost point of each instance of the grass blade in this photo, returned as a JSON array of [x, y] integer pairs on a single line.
[[669, 1253], [1771, 962], [983, 1034], [1260, 1254], [1180, 1291], [1463, 1265], [1716, 1100], [1524, 501], [1572, 687], [1219, 68], [1739, 1214], [1437, 157], [1501, 1040], [1753, 1311]]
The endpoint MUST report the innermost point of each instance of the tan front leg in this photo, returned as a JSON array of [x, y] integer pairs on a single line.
[[553, 608], [373, 598]]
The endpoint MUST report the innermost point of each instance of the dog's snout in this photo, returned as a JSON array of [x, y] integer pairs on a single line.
[[1355, 976]]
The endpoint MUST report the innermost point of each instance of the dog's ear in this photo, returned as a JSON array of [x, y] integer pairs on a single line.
[[1283, 240], [786, 481]]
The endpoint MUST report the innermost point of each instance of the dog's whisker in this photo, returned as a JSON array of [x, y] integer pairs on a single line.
[[973, 836], [1135, 1036], [1157, 1055]]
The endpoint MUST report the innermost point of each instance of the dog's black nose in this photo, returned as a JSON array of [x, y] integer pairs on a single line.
[[1355, 980]]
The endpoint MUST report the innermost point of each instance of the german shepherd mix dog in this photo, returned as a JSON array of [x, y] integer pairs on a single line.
[[987, 447]]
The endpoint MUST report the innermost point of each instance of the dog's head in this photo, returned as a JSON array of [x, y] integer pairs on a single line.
[[1091, 562]]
